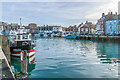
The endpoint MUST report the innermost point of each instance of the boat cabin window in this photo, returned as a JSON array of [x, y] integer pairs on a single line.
[[19, 37], [25, 36], [15, 37], [29, 36]]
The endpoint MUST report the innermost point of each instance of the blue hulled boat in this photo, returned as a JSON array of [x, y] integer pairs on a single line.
[[71, 36]]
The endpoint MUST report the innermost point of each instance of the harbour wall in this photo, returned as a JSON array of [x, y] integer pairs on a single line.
[[97, 37], [5, 69]]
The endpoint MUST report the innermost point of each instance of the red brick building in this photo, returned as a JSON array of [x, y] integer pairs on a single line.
[[84, 29], [71, 28], [33, 28]]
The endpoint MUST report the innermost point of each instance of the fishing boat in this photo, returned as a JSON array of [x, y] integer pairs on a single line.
[[37, 35], [57, 35], [63, 35], [45, 35], [70, 36], [41, 34], [21, 41]]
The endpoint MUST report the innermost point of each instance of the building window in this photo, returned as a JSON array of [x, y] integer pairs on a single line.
[[82, 29], [118, 27], [119, 21], [110, 22], [110, 27], [25, 37], [114, 27], [109, 31], [86, 29], [114, 22]]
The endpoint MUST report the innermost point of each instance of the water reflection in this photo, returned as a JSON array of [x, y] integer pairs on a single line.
[[16, 65], [66, 58], [74, 58], [108, 52]]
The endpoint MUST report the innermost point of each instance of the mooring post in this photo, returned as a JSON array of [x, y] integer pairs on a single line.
[[8, 51], [24, 64]]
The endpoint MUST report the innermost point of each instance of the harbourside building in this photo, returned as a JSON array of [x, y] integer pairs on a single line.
[[50, 29], [100, 27], [88, 27], [71, 29], [33, 28], [112, 26], [26, 29], [13, 26], [84, 29], [45, 29], [6, 29], [1, 28], [57, 29]]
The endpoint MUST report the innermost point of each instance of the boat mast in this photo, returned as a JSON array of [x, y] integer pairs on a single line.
[[21, 30], [20, 23]]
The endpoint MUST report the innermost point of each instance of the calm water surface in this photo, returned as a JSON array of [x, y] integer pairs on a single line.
[[64, 58]]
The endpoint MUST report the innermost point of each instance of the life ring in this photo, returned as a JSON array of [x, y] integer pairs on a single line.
[[25, 43]]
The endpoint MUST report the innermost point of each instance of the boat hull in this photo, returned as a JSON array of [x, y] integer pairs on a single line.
[[57, 36], [18, 53], [71, 37]]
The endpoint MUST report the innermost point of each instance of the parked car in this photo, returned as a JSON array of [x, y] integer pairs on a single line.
[[91, 33], [110, 34], [118, 34], [99, 33]]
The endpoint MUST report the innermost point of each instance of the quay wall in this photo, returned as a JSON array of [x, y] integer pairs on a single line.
[[96, 37], [6, 47], [6, 71]]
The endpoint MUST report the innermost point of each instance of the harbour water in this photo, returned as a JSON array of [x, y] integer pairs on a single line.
[[69, 58]]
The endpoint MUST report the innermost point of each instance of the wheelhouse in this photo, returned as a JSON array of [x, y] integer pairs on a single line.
[[22, 37]]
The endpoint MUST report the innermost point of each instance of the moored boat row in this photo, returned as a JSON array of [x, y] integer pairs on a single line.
[[59, 35]]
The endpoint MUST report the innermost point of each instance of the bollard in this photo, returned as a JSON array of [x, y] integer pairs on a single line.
[[24, 64]]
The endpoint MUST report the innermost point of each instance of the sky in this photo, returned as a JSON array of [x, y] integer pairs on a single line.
[[55, 12]]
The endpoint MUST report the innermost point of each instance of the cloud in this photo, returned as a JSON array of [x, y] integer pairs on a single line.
[[62, 13], [0, 12], [56, 0], [103, 8]]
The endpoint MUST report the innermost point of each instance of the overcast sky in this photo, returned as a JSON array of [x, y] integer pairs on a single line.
[[54, 12]]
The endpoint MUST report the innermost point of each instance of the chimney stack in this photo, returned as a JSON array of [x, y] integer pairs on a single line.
[[103, 14], [111, 13]]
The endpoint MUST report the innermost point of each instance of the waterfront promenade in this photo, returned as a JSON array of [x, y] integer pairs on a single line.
[[5, 69]]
